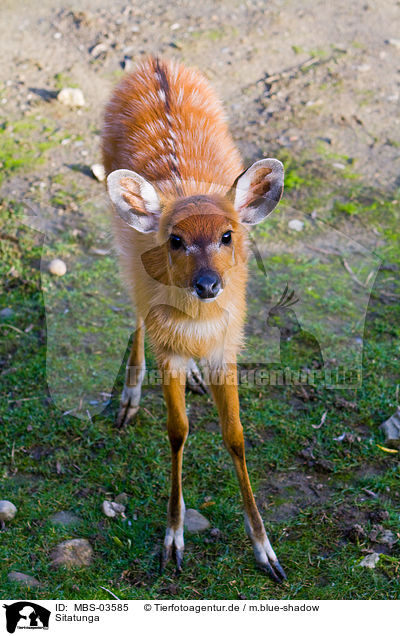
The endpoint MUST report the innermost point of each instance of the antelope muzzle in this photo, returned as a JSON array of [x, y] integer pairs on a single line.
[[207, 284]]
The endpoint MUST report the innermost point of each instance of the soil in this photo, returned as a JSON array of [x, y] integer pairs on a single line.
[[286, 494], [291, 74]]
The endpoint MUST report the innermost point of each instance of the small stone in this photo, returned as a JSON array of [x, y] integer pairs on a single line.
[[23, 579], [112, 508], [195, 522], [363, 68], [98, 171], [370, 561], [65, 518], [99, 251], [391, 429], [72, 97], [57, 267], [7, 511], [7, 312], [296, 224], [72, 553], [99, 49], [215, 533], [394, 42]]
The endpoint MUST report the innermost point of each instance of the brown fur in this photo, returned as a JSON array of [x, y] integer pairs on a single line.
[[209, 164], [165, 123]]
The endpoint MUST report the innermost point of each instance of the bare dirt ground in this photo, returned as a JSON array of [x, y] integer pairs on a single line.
[[291, 73]]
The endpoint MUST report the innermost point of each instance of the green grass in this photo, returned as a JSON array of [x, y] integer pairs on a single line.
[[61, 80], [24, 144], [53, 462]]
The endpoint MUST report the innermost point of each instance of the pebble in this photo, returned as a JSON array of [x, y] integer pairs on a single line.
[[57, 267], [23, 579], [394, 42], [99, 49], [7, 510], [363, 68], [72, 553], [296, 224], [370, 561], [391, 429], [98, 171], [71, 97], [195, 522], [112, 508]]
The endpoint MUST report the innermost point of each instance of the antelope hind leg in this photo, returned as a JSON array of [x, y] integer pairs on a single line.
[[194, 379]]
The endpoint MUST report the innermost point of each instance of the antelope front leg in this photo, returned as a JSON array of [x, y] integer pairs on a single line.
[[225, 394], [178, 428], [135, 371]]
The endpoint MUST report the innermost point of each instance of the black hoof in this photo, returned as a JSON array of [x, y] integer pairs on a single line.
[[275, 571]]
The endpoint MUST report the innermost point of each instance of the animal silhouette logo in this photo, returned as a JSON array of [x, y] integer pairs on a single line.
[[298, 348], [26, 615]]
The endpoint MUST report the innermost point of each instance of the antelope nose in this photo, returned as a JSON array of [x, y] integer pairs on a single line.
[[207, 284]]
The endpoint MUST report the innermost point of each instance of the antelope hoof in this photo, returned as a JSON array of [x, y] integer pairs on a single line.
[[165, 556], [179, 559], [194, 379], [125, 414], [172, 551], [128, 407], [267, 561], [264, 554], [274, 570], [173, 548]]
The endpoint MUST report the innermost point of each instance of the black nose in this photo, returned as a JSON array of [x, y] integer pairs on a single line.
[[207, 284]]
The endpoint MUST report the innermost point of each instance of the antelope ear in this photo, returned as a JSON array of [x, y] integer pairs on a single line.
[[135, 200], [258, 190]]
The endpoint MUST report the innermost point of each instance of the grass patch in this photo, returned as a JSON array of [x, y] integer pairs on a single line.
[[53, 462], [24, 144]]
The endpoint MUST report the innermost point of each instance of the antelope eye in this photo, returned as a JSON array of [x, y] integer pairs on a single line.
[[226, 238], [175, 242]]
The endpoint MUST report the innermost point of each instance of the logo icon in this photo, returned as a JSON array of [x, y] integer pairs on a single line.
[[26, 615]]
